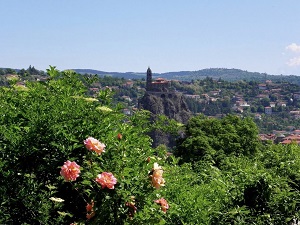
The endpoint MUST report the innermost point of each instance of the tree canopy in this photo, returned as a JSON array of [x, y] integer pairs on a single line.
[[214, 138]]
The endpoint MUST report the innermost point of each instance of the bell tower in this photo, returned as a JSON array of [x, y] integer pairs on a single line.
[[149, 79]]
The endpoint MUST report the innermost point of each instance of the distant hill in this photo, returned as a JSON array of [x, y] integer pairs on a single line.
[[215, 73], [126, 75]]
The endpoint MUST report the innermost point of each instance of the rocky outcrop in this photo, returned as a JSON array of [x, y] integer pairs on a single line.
[[170, 104]]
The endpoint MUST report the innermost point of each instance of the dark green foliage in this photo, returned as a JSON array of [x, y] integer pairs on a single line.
[[265, 102], [257, 196], [10, 71], [32, 71], [40, 128], [261, 182], [214, 138]]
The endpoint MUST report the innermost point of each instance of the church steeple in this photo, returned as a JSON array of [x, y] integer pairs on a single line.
[[149, 79]]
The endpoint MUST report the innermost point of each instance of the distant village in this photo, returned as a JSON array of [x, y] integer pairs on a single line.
[[283, 102], [267, 99]]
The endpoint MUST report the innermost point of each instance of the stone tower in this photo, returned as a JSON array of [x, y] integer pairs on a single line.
[[149, 79]]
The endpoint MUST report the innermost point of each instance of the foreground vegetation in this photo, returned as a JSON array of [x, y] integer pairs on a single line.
[[68, 158]]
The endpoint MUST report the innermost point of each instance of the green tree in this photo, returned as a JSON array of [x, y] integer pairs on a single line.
[[260, 109], [32, 71], [10, 71], [214, 138], [23, 73], [253, 109], [265, 102]]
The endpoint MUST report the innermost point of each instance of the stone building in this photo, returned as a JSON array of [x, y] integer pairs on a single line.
[[159, 85]]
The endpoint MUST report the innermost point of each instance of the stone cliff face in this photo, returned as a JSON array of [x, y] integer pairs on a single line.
[[172, 105], [169, 104]]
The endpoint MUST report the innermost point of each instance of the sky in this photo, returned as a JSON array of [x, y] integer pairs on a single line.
[[167, 35]]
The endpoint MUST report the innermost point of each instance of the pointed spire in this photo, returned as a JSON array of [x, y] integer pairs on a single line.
[[149, 79]]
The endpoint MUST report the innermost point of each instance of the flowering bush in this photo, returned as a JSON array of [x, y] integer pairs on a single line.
[[44, 133], [132, 195]]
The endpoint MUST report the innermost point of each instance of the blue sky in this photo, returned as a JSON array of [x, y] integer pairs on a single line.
[[167, 35]]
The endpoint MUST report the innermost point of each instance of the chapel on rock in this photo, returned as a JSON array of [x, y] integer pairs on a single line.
[[159, 85]]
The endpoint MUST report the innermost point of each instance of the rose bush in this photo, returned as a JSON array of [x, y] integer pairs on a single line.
[[44, 132]]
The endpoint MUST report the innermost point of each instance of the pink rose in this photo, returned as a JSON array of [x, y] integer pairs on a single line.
[[70, 171], [119, 136], [89, 207], [106, 180], [163, 203], [93, 144], [90, 213], [132, 209], [157, 179]]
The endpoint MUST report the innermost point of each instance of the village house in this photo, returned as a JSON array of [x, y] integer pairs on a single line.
[[276, 90], [237, 109], [290, 128], [257, 116], [267, 137], [127, 98], [128, 84], [266, 92], [238, 97], [205, 96], [282, 104], [40, 78], [21, 83], [268, 110], [261, 96], [291, 139], [295, 114], [94, 89], [244, 104], [268, 82], [212, 99], [196, 97], [262, 86], [296, 95], [12, 77], [214, 93], [111, 88], [296, 132], [127, 112]]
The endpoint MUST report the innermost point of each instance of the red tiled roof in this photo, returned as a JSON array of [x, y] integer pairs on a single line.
[[289, 142]]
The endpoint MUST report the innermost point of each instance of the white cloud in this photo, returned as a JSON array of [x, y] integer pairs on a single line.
[[294, 61], [293, 47]]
